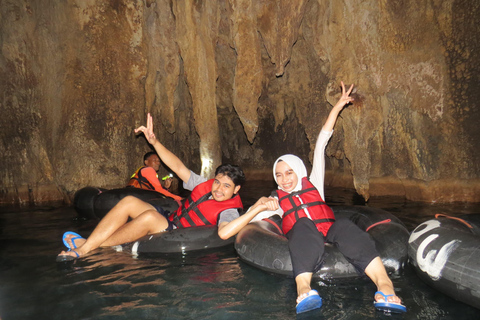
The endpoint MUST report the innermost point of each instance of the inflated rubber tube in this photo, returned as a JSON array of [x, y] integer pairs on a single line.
[[263, 246], [445, 253], [105, 201], [94, 203], [179, 240], [84, 202]]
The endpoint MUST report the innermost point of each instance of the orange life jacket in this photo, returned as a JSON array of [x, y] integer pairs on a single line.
[[294, 204], [139, 181], [199, 210]]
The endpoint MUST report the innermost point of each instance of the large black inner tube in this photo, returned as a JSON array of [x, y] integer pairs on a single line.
[[84, 202], [180, 240], [105, 201], [445, 254], [266, 248]]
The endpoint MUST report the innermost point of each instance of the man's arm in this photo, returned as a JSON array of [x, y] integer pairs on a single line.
[[229, 229], [168, 158], [150, 174]]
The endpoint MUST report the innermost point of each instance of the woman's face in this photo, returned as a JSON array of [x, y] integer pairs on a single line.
[[286, 178]]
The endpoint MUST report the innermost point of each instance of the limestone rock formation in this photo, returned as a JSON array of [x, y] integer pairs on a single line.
[[243, 82]]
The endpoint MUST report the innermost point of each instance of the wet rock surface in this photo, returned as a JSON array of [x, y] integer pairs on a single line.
[[242, 82]]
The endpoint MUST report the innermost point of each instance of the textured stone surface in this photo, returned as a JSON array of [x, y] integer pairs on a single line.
[[243, 82], [197, 30]]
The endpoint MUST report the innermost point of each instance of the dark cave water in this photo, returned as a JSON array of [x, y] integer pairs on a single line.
[[200, 285]]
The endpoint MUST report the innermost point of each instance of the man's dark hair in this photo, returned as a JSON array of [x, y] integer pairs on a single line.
[[233, 172], [148, 154]]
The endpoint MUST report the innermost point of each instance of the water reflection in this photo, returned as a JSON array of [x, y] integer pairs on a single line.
[[207, 285]]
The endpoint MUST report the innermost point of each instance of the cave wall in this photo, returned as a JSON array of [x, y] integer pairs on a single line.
[[243, 82]]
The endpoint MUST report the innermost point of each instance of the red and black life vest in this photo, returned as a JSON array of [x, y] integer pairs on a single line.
[[139, 181], [199, 210], [294, 208]]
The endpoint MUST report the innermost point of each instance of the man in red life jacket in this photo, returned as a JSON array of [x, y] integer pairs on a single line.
[[146, 177], [214, 201]]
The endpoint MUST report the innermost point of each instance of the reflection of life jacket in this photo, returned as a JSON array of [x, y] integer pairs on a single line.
[[139, 181], [199, 210], [294, 204]]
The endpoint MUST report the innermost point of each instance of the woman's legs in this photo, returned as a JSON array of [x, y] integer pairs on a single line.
[[303, 282], [376, 271], [359, 249], [306, 246], [113, 229]]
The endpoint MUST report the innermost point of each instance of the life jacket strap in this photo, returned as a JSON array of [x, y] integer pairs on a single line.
[[323, 220], [302, 207], [296, 193], [193, 207], [142, 181]]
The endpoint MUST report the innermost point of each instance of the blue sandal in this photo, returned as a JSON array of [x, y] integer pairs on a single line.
[[389, 306], [75, 237], [310, 302]]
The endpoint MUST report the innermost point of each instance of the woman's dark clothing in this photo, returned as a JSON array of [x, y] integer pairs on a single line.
[[307, 245]]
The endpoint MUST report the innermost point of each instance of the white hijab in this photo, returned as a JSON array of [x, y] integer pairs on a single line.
[[297, 166]]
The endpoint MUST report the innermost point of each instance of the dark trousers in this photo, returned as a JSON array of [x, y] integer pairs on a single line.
[[307, 245]]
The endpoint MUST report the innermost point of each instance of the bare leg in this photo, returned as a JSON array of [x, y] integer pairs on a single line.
[[303, 281], [148, 222], [376, 271], [113, 229]]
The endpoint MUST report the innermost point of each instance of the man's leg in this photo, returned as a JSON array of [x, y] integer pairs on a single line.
[[116, 219], [148, 222]]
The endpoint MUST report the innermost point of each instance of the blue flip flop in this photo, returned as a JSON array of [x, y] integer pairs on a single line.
[[389, 306], [310, 302], [66, 257], [75, 237]]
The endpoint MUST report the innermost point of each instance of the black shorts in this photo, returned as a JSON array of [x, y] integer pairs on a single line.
[[166, 214]]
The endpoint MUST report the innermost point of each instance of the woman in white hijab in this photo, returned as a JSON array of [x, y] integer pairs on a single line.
[[308, 223]]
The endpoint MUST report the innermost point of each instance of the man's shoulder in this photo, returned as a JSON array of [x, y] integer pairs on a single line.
[[148, 171], [195, 180]]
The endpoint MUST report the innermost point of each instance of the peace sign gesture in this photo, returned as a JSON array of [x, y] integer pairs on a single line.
[[148, 131], [342, 102], [345, 98]]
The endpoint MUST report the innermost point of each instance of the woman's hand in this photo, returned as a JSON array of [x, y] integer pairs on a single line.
[[270, 204], [148, 131], [345, 98], [342, 102]]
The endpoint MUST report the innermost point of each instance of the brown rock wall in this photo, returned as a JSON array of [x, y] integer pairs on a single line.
[[197, 31], [163, 61], [244, 82]]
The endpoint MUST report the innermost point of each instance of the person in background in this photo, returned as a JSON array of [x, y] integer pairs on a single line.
[[146, 176]]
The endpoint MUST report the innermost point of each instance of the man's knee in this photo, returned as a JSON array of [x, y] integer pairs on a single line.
[[155, 221]]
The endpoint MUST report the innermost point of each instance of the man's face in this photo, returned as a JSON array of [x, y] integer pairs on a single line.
[[153, 161], [223, 188]]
